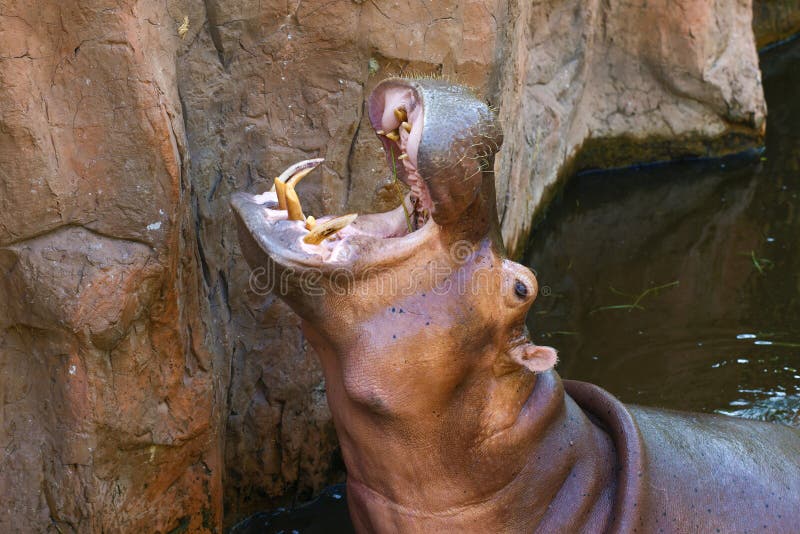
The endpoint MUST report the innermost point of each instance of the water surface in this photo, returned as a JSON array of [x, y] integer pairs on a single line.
[[678, 285]]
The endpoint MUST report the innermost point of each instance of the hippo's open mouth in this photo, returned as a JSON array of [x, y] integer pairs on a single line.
[[295, 240], [437, 138]]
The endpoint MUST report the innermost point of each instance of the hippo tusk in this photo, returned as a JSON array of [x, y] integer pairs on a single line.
[[400, 114], [320, 232], [293, 205], [287, 181], [406, 126], [300, 166], [292, 170], [295, 179], [393, 135], [280, 190]]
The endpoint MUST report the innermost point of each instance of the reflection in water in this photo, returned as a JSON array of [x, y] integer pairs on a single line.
[[679, 286], [326, 514]]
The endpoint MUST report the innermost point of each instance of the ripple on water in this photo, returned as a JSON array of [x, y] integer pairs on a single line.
[[773, 408], [679, 369]]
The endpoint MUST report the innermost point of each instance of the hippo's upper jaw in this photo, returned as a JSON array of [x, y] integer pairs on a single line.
[[441, 141]]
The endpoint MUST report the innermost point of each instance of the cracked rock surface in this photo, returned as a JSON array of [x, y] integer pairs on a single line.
[[144, 385]]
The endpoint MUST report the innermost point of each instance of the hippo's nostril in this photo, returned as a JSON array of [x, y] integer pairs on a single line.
[[520, 289]]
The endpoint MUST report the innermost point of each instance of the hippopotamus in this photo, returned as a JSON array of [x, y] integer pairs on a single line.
[[450, 418]]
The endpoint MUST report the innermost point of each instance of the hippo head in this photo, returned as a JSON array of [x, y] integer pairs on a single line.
[[437, 258]]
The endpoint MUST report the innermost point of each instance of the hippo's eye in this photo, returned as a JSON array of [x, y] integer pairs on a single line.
[[520, 289]]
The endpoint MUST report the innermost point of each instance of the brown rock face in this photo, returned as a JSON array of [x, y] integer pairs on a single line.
[[626, 82], [110, 398], [138, 371]]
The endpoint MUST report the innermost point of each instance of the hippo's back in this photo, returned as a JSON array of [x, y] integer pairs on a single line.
[[709, 472], [688, 472]]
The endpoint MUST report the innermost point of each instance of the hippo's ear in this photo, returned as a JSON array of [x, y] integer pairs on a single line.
[[535, 358]]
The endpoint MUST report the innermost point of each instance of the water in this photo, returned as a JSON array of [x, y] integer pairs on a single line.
[[722, 241], [327, 514], [717, 243]]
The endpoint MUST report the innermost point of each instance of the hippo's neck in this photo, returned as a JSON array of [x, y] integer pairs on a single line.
[[553, 469]]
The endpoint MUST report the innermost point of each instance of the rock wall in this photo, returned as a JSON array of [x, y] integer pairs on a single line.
[[604, 84], [143, 383], [112, 411]]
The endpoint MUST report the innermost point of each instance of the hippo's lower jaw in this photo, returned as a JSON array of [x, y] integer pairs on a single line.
[[333, 243]]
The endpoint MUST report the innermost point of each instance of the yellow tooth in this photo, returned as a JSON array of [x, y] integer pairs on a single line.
[[280, 189], [402, 156], [393, 135], [406, 126], [183, 29], [293, 205], [295, 179], [400, 114], [310, 222], [324, 230]]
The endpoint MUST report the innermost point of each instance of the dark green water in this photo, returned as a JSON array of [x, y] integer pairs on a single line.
[[721, 237], [326, 514]]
